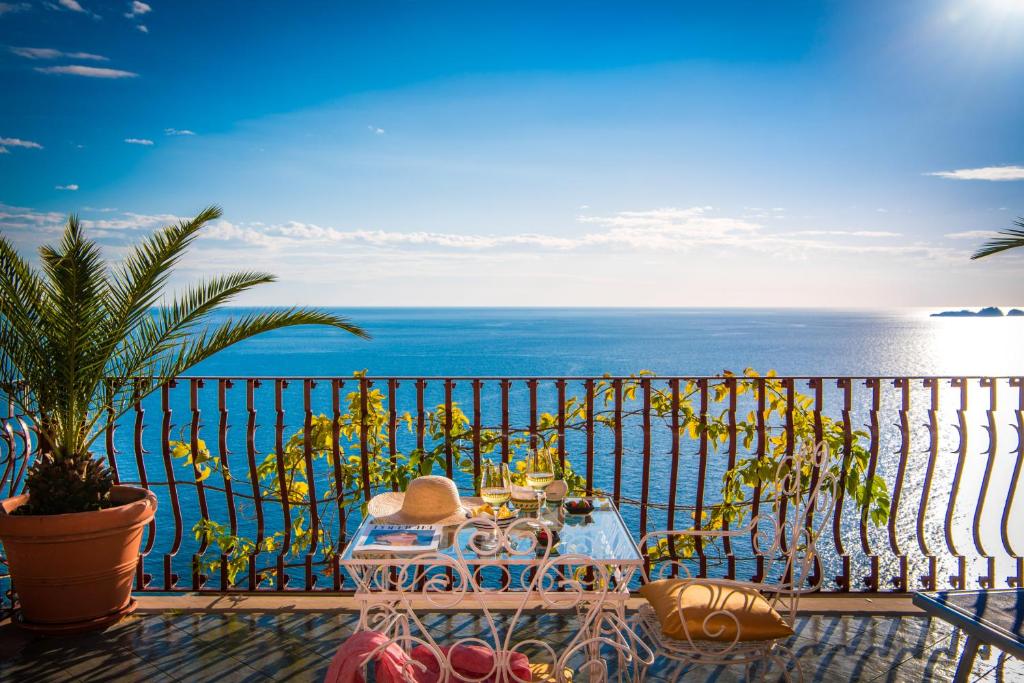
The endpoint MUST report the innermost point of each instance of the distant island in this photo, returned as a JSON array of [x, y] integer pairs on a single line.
[[988, 312]]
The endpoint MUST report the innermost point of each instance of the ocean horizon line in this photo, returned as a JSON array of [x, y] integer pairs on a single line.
[[874, 309]]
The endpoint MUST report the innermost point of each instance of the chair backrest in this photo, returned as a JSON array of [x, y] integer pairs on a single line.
[[795, 505], [802, 496]]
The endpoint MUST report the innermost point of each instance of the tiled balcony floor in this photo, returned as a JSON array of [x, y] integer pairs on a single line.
[[297, 646]]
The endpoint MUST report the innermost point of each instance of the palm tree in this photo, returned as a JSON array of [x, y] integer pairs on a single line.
[[1011, 239], [81, 342]]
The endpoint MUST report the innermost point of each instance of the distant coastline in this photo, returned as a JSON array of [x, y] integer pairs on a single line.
[[987, 312]]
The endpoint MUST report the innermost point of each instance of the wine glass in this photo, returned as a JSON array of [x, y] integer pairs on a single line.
[[495, 483], [496, 490], [540, 471]]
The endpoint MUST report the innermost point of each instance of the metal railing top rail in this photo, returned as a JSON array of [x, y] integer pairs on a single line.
[[582, 377]]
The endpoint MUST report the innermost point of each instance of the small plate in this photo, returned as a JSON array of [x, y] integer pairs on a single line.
[[500, 522], [580, 511]]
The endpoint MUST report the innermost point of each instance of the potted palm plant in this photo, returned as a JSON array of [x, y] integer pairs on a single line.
[[76, 337]]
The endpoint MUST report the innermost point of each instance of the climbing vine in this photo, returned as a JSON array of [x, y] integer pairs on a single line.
[[341, 492]]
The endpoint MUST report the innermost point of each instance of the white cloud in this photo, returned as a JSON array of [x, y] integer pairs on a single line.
[[50, 53], [142, 28], [25, 218], [11, 7], [848, 233], [297, 234], [138, 9], [996, 173], [139, 141], [176, 131], [376, 131], [972, 235], [87, 71], [17, 142], [667, 228], [667, 232], [70, 188], [132, 221], [21, 217], [664, 230], [72, 5]]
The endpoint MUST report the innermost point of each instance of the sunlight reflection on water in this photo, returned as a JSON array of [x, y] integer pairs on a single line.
[[984, 345]]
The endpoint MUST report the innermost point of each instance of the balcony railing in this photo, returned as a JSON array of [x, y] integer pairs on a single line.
[[260, 480]]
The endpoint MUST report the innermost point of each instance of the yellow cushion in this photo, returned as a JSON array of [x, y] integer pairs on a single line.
[[545, 673], [757, 619]]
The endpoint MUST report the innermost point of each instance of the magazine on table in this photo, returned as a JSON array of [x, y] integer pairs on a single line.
[[404, 539]]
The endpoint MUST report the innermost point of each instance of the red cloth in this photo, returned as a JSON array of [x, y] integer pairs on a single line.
[[394, 666], [390, 660], [472, 661]]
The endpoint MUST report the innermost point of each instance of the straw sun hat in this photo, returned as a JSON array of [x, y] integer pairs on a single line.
[[427, 500]]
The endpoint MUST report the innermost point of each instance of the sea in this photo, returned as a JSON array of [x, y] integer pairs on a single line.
[[445, 342]]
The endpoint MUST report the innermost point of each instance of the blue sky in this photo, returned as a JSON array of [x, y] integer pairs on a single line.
[[592, 153]]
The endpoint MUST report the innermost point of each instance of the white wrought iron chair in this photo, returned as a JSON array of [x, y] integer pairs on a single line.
[[797, 504]]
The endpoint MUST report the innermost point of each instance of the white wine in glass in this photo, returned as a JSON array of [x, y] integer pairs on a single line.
[[539, 481], [540, 471], [496, 490], [495, 483]]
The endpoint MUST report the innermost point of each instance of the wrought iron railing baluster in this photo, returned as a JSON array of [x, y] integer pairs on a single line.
[[901, 582], [875, 387], [987, 581], [170, 577], [1011, 504], [198, 579], [958, 580], [223, 385]]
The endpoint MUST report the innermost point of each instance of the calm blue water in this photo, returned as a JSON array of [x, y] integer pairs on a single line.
[[587, 341]]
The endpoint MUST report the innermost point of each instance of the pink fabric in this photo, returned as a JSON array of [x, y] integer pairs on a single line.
[[472, 661], [392, 664], [348, 660]]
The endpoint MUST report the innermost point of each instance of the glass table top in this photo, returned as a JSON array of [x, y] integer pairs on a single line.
[[601, 535]]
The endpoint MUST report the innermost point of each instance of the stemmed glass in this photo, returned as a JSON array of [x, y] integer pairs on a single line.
[[496, 490], [540, 471]]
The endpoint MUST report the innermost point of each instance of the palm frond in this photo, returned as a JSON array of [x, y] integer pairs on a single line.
[[75, 336], [161, 331], [119, 395], [21, 301], [74, 285], [1011, 239], [234, 331], [137, 285]]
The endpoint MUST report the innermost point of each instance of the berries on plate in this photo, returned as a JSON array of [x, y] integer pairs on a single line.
[[578, 506]]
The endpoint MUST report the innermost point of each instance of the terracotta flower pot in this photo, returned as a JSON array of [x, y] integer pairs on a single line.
[[74, 572]]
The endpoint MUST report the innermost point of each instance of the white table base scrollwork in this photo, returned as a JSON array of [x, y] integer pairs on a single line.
[[509, 590]]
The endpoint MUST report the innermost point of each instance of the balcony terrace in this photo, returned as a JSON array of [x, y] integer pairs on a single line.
[[294, 638], [261, 481]]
